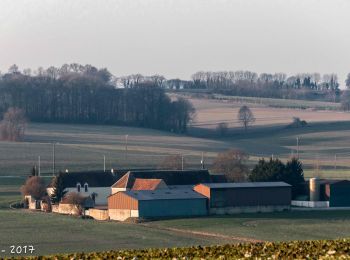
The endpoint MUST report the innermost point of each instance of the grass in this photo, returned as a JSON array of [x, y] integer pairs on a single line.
[[284, 226], [282, 103], [53, 233], [60, 234]]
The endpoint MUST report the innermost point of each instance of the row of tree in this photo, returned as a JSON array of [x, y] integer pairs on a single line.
[[243, 83], [84, 94]]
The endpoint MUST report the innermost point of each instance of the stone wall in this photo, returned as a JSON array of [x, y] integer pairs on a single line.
[[99, 214], [122, 214]]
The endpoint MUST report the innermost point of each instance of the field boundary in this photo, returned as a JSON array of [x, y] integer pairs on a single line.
[[206, 234]]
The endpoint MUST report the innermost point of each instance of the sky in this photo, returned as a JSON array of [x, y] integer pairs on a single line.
[[176, 38]]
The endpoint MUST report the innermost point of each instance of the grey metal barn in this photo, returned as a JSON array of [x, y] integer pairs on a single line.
[[227, 198]]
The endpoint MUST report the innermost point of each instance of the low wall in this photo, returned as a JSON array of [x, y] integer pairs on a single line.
[[99, 214], [250, 209], [122, 214], [67, 209], [310, 204]]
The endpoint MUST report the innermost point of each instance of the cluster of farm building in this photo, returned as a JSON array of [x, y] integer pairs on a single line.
[[153, 194]]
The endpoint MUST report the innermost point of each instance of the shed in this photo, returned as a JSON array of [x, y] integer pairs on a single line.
[[156, 204], [338, 193], [226, 198]]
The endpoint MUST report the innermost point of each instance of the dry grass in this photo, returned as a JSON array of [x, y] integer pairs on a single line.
[[210, 112]]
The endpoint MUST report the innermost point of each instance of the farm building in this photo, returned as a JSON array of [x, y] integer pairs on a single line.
[[94, 184], [337, 193], [156, 204], [227, 198], [169, 178], [324, 193]]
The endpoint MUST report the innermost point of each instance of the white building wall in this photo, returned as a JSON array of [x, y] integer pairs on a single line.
[[102, 193]]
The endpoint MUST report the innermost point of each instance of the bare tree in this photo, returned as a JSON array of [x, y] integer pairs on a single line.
[[172, 162], [232, 163], [245, 116], [222, 128], [13, 125], [34, 186]]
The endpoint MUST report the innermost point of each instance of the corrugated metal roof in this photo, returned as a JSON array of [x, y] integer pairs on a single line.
[[164, 194], [246, 185]]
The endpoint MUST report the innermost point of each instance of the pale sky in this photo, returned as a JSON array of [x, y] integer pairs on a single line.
[[176, 38]]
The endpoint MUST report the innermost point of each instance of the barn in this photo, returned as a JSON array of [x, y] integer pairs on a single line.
[[229, 198], [336, 192], [160, 203]]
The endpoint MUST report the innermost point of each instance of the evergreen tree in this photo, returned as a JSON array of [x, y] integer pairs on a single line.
[[267, 171], [58, 188]]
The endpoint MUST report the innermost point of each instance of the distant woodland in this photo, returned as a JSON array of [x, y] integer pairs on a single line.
[[85, 94], [75, 93]]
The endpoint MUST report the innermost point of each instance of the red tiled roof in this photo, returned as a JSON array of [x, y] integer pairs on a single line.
[[146, 184], [122, 182]]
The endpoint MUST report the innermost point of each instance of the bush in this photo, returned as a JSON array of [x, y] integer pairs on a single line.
[[222, 129], [317, 249]]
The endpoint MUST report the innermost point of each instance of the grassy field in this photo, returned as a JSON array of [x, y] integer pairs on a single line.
[[271, 226], [57, 233], [82, 147], [210, 112], [53, 233]]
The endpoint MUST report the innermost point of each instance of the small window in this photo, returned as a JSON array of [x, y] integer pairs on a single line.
[[86, 187], [78, 187]]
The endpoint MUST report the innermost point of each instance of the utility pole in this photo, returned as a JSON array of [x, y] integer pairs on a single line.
[[104, 163], [53, 159], [298, 147], [335, 162], [182, 162], [202, 161], [39, 169], [126, 146]]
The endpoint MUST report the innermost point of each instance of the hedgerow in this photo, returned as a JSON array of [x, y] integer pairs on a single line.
[[317, 249]]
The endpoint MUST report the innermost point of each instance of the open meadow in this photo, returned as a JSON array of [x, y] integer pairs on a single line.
[[62, 234]]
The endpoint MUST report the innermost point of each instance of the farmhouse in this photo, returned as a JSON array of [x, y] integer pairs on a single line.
[[156, 204], [170, 178], [95, 184], [228, 198]]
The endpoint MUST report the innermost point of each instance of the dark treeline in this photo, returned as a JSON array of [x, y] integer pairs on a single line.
[[85, 94], [278, 85], [246, 83]]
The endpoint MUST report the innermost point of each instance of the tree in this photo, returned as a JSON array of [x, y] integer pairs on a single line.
[[271, 170], [59, 190], [33, 171], [76, 200], [345, 100], [13, 125], [35, 187], [245, 116], [172, 162], [232, 163], [222, 129], [347, 81], [275, 170], [294, 175]]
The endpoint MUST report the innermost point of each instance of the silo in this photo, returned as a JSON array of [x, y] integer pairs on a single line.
[[314, 189]]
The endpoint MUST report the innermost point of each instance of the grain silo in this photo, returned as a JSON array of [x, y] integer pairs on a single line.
[[314, 189]]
